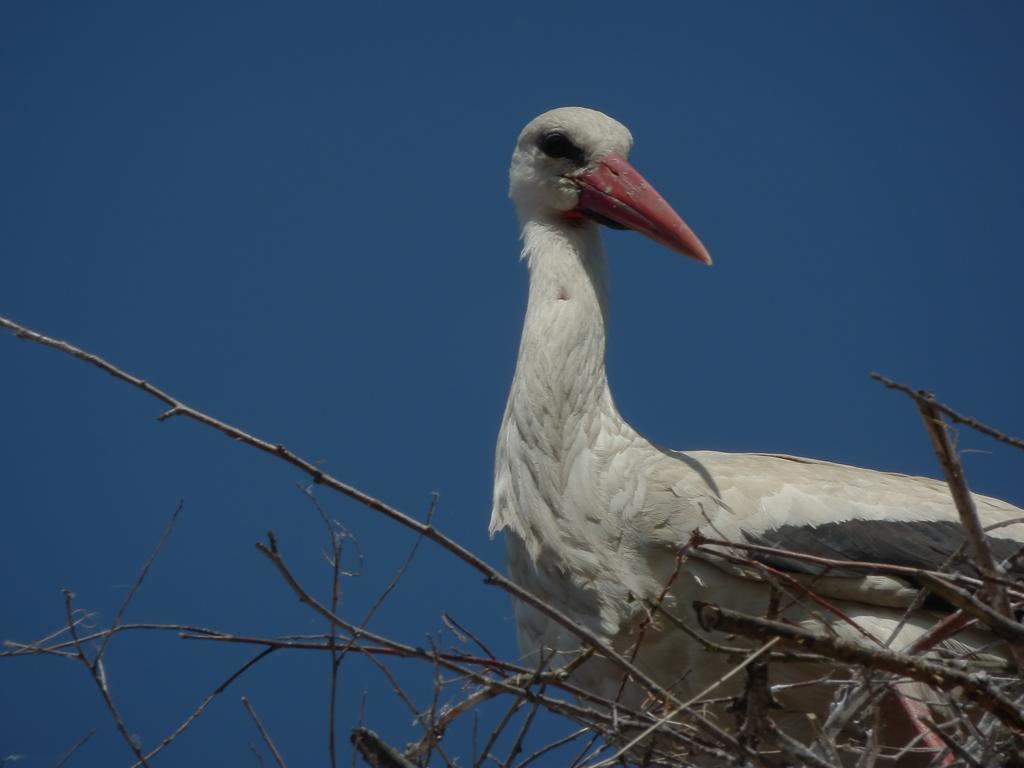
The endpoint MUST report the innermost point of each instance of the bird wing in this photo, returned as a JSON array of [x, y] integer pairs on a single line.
[[823, 509]]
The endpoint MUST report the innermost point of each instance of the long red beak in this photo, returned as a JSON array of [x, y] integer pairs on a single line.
[[613, 190]]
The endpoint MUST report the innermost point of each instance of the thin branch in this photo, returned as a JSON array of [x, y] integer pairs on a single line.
[[36, 649], [491, 575], [794, 747], [568, 738], [790, 584], [142, 576], [977, 688], [622, 751], [425, 720], [433, 739], [702, 542], [30, 648], [99, 677], [376, 752], [74, 748], [509, 686], [403, 567], [955, 478], [648, 619], [952, 744], [336, 656], [542, 663], [586, 754], [194, 715], [263, 733], [733, 651], [464, 634], [965, 507], [517, 745], [921, 395], [514, 707], [998, 624], [451, 661], [517, 686], [272, 554]]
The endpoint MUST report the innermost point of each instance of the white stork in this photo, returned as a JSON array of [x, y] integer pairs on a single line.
[[594, 515]]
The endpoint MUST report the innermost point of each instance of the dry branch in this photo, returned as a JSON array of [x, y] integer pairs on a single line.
[[491, 575], [74, 748], [952, 469], [141, 577], [965, 506], [376, 752], [99, 676], [263, 733], [921, 395], [95, 664], [976, 686], [1008, 629], [703, 542], [623, 727], [195, 713], [718, 736]]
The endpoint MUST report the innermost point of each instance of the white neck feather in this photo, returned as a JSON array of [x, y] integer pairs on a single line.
[[561, 355], [559, 402]]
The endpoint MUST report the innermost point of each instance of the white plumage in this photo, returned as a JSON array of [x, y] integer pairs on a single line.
[[594, 514]]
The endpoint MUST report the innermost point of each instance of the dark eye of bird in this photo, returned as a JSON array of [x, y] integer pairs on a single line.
[[557, 144]]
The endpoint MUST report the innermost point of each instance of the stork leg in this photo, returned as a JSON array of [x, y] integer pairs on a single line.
[[912, 707], [915, 712]]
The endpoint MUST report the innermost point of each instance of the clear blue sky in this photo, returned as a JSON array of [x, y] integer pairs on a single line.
[[294, 216]]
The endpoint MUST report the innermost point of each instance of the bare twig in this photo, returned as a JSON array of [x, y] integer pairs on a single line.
[[100, 678], [425, 720], [754, 656], [464, 634], [194, 715], [517, 745], [95, 664], [580, 714], [757, 699], [588, 752], [74, 748], [734, 651], [954, 472], [600, 716], [433, 737], [702, 542], [455, 662], [921, 395], [491, 575], [794, 747], [514, 707], [952, 469], [568, 738], [998, 624], [336, 539], [272, 554], [952, 744], [263, 733], [403, 567], [142, 576], [789, 584], [376, 752], [977, 688], [34, 649]]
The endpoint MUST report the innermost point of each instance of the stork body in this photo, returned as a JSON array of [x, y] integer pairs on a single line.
[[594, 515]]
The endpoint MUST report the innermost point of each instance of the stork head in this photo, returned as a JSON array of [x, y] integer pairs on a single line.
[[570, 164]]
